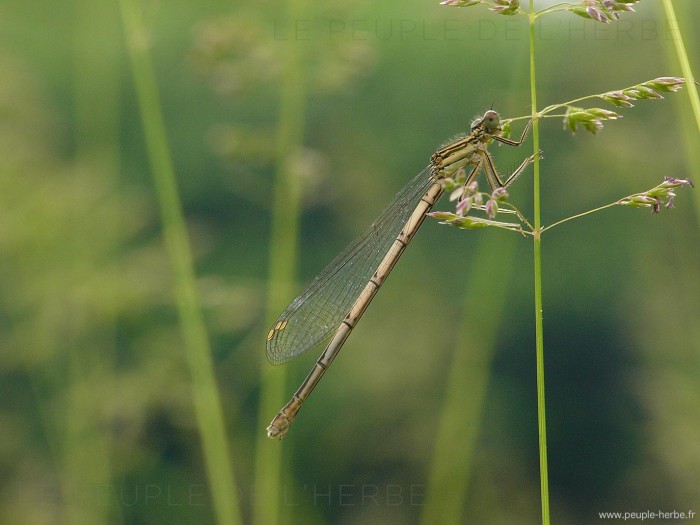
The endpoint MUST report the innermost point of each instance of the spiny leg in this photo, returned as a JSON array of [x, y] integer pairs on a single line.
[[494, 178], [491, 173], [473, 173], [524, 164], [515, 143], [463, 200], [470, 178]]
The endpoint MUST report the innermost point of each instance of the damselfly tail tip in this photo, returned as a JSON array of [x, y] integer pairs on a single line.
[[273, 432], [278, 428], [283, 420]]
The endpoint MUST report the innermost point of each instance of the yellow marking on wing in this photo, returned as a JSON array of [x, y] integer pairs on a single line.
[[277, 328]]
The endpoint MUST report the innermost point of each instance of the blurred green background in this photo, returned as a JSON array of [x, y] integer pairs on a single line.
[[348, 100]]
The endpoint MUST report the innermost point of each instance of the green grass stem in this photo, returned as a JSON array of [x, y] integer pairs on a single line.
[[207, 404], [677, 38], [683, 59], [537, 253]]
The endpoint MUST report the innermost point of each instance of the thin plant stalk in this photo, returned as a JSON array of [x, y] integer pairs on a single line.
[[537, 253], [207, 404], [284, 240], [457, 432], [682, 55], [677, 38]]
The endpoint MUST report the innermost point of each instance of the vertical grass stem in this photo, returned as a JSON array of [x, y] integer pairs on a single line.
[[207, 404], [537, 253], [677, 37]]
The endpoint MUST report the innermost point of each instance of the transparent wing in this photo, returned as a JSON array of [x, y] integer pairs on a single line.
[[312, 318]]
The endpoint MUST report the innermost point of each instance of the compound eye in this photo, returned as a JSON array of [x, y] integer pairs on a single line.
[[491, 119]]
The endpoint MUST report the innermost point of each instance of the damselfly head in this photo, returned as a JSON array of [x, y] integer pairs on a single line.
[[491, 121]]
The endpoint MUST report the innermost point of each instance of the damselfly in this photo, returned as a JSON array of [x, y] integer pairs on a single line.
[[330, 307]]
